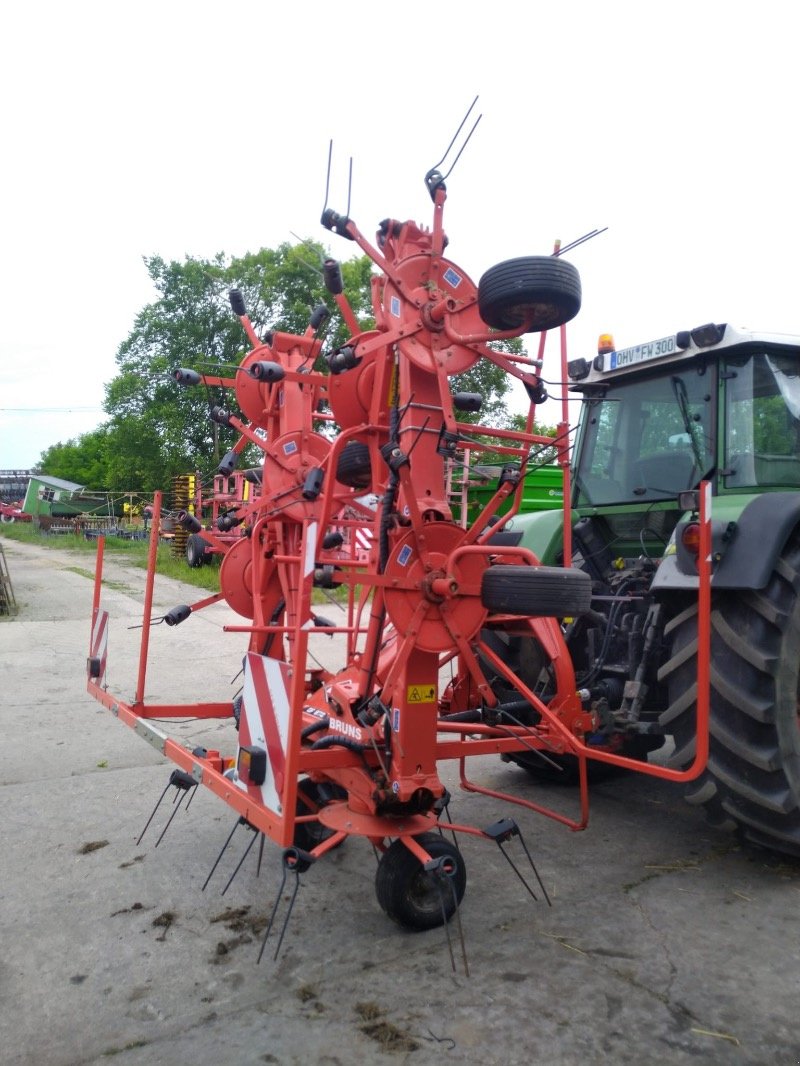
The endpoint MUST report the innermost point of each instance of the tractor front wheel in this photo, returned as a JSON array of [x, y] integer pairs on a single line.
[[752, 782], [416, 898]]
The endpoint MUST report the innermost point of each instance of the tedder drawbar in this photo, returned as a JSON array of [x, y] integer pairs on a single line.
[[325, 755]]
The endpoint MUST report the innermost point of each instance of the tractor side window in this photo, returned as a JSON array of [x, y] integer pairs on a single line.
[[600, 455], [762, 422], [604, 440]]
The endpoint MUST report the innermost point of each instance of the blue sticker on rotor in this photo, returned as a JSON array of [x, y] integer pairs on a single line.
[[396, 720], [404, 556], [452, 278], [290, 447], [394, 306]]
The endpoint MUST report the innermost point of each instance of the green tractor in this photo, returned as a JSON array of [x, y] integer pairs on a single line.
[[717, 404]]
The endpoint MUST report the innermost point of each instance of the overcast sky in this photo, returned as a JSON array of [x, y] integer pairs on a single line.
[[175, 128]]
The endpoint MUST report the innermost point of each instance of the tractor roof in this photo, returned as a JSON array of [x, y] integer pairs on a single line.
[[677, 348]]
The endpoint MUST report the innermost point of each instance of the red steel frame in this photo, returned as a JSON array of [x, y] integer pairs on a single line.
[[376, 727]]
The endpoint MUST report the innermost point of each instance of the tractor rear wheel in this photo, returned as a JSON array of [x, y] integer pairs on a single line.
[[414, 897], [541, 289], [536, 591], [752, 782]]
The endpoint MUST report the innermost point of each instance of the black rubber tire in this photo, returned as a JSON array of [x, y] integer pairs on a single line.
[[525, 658], [354, 467], [196, 550], [536, 591], [409, 894], [567, 771], [308, 834], [752, 783], [544, 287]]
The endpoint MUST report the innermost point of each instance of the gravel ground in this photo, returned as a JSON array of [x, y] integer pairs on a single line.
[[665, 942]]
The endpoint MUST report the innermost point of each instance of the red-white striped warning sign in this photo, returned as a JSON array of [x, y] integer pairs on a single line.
[[264, 723], [98, 647], [364, 539]]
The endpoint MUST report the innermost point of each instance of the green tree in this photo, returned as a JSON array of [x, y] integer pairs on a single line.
[[491, 382], [82, 460], [539, 455], [157, 429]]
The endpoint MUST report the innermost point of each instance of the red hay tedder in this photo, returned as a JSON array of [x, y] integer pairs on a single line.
[[325, 755]]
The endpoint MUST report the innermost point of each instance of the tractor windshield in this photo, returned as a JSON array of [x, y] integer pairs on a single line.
[[646, 438], [762, 421]]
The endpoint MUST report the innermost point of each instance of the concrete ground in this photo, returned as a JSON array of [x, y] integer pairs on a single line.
[[665, 942]]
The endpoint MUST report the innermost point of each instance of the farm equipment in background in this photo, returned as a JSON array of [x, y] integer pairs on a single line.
[[470, 487], [8, 601], [13, 487], [456, 639], [211, 500], [12, 512], [218, 512]]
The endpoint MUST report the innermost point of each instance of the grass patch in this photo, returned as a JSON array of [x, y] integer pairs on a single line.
[[133, 552], [385, 1033], [126, 1047], [92, 845], [164, 921], [117, 586], [240, 920], [81, 571]]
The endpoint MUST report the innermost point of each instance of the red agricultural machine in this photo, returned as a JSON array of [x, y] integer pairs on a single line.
[[434, 610], [215, 503]]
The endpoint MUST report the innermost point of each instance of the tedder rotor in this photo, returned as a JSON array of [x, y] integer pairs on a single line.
[[358, 437]]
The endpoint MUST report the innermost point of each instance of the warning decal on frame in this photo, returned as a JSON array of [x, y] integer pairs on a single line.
[[421, 694]]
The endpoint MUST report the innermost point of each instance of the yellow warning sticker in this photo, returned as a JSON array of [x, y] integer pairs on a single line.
[[421, 694]]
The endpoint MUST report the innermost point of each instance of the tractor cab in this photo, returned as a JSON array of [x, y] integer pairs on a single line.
[[714, 403], [711, 403]]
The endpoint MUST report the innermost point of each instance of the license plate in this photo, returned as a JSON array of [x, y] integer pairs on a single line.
[[642, 352]]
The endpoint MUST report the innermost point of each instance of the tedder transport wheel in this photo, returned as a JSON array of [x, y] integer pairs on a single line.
[[752, 782], [308, 834], [354, 468], [413, 897], [196, 550], [541, 591], [543, 288]]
